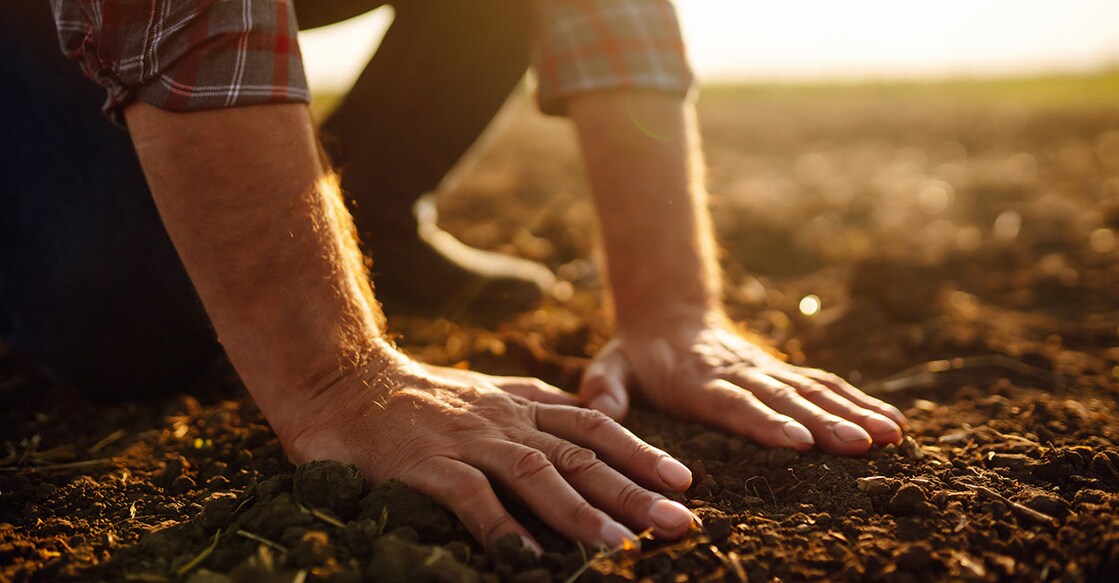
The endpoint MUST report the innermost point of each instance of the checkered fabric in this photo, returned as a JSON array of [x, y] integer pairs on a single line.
[[184, 55], [595, 45]]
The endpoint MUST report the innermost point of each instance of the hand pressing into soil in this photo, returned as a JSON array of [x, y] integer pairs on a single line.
[[672, 344], [455, 435], [710, 373], [266, 239]]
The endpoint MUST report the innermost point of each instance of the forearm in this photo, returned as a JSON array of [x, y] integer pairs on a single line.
[[270, 249], [645, 169], [260, 227]]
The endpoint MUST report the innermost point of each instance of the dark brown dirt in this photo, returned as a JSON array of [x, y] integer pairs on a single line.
[[965, 256]]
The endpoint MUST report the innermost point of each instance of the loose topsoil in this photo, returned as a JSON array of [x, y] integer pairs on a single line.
[[961, 241]]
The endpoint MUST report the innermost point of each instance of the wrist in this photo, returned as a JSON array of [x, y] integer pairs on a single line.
[[668, 317], [301, 403]]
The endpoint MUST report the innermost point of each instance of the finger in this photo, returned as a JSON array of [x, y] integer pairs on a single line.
[[881, 428], [844, 388], [468, 494], [740, 411], [530, 475], [620, 449], [832, 433], [528, 387], [534, 390], [465, 377], [604, 382], [607, 489]]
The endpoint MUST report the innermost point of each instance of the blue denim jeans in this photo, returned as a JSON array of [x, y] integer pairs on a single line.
[[91, 289]]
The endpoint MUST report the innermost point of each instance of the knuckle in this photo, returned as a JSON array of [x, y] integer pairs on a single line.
[[467, 483], [866, 415], [593, 380], [529, 464], [637, 449], [491, 405], [575, 459], [782, 392], [634, 497], [548, 389], [810, 389], [491, 530], [592, 421], [829, 378], [763, 429], [584, 513]]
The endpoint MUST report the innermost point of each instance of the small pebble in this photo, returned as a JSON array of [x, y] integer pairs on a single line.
[[910, 448], [1045, 503], [908, 500], [876, 485]]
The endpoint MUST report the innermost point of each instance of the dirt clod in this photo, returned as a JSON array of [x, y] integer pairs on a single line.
[[909, 500], [398, 506], [876, 485], [396, 560], [1046, 503], [331, 485], [915, 557]]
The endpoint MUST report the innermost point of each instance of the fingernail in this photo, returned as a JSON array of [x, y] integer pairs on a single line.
[[673, 473], [607, 404], [615, 536], [849, 432], [532, 545], [896, 414], [797, 433], [670, 516], [880, 425]]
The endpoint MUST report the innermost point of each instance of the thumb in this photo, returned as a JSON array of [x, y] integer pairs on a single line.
[[535, 390], [604, 382]]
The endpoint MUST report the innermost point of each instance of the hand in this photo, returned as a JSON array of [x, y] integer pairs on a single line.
[[707, 372], [270, 249], [449, 433]]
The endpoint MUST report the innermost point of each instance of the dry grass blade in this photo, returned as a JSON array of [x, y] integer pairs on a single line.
[[627, 545], [108, 439], [319, 514], [757, 493], [243, 503], [1020, 509], [731, 563], [924, 375], [82, 465], [262, 540], [197, 560]]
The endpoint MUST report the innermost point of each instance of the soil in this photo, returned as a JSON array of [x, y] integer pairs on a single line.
[[962, 247]]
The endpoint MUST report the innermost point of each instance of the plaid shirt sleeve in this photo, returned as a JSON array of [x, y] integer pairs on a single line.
[[594, 45], [185, 55]]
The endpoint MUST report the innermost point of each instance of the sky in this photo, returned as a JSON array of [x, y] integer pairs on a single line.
[[798, 40]]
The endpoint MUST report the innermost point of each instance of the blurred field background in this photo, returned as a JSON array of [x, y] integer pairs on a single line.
[[815, 186], [839, 137]]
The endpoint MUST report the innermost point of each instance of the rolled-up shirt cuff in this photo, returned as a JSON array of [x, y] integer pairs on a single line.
[[601, 45], [186, 56]]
